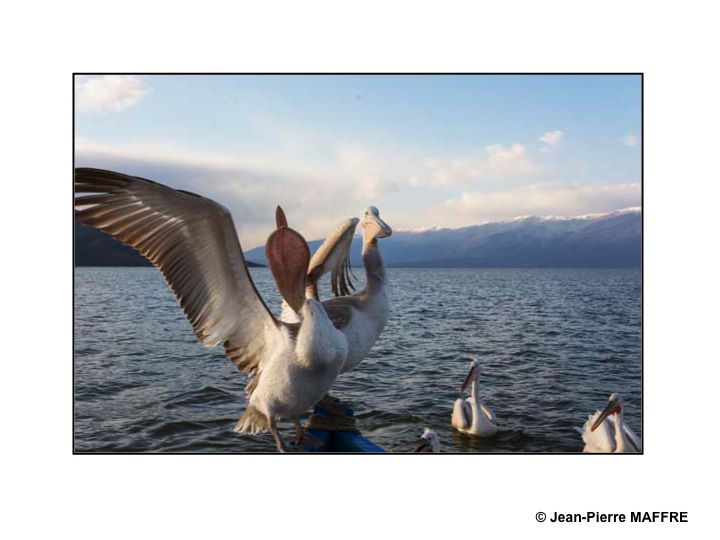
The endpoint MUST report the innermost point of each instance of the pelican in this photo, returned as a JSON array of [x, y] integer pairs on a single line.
[[193, 242], [607, 432], [361, 317], [472, 416]]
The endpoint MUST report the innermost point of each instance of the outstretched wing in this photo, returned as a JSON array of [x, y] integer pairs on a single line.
[[334, 256], [192, 240]]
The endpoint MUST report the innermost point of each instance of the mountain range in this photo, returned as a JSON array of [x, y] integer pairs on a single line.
[[612, 239], [608, 240]]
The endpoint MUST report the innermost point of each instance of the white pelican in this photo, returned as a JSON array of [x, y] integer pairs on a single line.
[[192, 240], [606, 431], [361, 316], [472, 416]]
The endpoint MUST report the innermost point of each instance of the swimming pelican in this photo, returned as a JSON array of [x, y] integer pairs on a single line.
[[192, 240], [607, 432], [361, 316], [472, 416]]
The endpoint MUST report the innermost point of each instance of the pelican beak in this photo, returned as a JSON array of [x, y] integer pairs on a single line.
[[612, 407], [376, 228], [288, 256], [472, 374]]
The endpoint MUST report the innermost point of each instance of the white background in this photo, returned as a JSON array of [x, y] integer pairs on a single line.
[[48, 491]]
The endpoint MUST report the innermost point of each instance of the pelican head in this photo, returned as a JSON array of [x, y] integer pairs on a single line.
[[374, 227], [429, 441], [473, 374], [614, 406]]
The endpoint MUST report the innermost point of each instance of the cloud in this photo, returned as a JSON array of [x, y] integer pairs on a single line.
[[317, 195], [314, 199], [551, 139], [545, 199], [630, 140], [108, 93], [498, 162]]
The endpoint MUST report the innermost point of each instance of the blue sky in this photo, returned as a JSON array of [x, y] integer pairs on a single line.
[[426, 150]]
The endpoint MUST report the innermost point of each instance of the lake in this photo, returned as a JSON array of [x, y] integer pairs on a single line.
[[554, 343]]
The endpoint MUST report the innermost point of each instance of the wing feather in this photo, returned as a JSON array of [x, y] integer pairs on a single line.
[[634, 439], [192, 240]]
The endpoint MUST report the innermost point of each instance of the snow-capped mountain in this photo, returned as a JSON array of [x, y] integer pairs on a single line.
[[612, 239]]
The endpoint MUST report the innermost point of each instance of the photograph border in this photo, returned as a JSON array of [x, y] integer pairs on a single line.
[[503, 453]]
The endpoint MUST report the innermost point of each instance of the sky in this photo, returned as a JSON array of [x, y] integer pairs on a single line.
[[427, 151]]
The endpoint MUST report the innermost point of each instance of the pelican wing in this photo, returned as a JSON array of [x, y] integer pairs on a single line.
[[634, 439], [334, 256], [192, 240], [461, 415], [488, 413], [340, 310]]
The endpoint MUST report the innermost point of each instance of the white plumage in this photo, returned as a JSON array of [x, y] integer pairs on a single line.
[[471, 416], [606, 432], [193, 242]]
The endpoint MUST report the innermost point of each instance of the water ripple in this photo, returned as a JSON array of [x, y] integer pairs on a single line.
[[554, 344]]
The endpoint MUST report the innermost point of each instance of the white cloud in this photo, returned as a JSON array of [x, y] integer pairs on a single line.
[[108, 93], [630, 140], [315, 199], [498, 163], [552, 138], [546, 199], [500, 184]]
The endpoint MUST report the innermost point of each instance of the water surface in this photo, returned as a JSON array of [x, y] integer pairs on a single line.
[[554, 344]]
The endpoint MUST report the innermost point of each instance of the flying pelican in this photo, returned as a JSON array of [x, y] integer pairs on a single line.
[[192, 240], [472, 416], [607, 432], [361, 317]]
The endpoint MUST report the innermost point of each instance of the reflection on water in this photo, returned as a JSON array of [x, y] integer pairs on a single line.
[[554, 344]]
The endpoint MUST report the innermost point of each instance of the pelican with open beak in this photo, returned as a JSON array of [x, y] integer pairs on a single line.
[[471, 416], [605, 431], [361, 316]]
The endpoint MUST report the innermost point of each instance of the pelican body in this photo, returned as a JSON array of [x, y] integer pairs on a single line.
[[471, 416], [362, 316], [192, 240], [606, 432], [297, 375]]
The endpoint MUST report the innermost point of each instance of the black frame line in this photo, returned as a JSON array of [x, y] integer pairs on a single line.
[[642, 250]]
